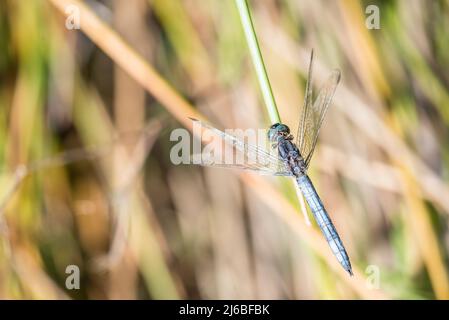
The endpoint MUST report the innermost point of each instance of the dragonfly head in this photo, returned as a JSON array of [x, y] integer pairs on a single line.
[[277, 130]]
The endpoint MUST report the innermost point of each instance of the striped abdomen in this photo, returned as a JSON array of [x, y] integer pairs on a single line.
[[324, 222]]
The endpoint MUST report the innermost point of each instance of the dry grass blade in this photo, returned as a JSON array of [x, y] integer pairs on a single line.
[[130, 61]]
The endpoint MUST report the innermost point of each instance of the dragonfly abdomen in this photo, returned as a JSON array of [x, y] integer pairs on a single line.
[[324, 221]]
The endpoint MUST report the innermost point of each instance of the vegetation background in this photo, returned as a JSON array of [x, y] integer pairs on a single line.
[[86, 179]]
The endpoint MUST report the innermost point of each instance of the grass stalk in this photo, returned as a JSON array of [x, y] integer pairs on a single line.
[[256, 56]]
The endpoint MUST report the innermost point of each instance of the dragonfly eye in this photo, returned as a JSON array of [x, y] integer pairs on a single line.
[[273, 131], [283, 129], [276, 130]]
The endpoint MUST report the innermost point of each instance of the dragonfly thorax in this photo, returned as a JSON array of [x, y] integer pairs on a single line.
[[282, 140]]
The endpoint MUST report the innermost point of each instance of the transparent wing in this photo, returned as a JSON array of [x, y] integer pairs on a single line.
[[306, 105], [245, 156], [312, 115], [257, 169]]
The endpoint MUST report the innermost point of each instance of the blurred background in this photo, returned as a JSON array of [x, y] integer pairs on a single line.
[[86, 178]]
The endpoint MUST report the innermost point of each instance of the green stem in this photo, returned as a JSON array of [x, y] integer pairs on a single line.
[[256, 56]]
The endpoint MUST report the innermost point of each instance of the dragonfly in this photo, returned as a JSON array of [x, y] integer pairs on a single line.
[[294, 155]]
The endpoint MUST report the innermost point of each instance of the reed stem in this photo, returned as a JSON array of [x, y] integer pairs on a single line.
[[256, 56]]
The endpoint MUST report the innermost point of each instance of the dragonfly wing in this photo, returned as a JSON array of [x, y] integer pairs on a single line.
[[306, 105], [253, 158], [250, 167], [312, 115]]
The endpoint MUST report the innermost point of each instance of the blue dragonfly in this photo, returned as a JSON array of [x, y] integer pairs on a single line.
[[293, 156]]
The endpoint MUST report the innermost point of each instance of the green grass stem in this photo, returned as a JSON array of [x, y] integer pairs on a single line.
[[256, 56]]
